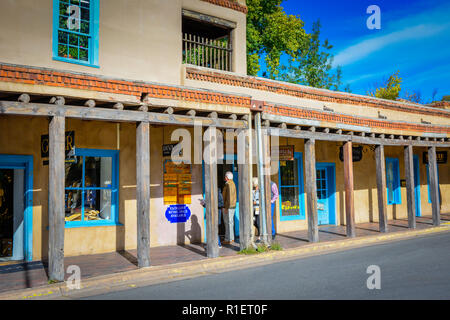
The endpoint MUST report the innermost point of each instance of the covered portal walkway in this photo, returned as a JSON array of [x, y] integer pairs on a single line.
[[34, 274]]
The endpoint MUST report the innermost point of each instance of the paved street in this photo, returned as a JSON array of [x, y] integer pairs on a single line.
[[412, 269]]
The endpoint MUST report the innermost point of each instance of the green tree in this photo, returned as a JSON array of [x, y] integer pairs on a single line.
[[390, 89], [446, 98], [272, 33], [314, 65]]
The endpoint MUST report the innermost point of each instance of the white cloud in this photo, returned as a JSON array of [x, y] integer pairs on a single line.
[[369, 46]]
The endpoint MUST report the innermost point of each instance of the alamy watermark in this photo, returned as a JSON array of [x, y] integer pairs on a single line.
[[73, 282], [374, 20], [374, 280]]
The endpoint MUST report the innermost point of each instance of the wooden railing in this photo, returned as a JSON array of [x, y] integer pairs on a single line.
[[204, 52]]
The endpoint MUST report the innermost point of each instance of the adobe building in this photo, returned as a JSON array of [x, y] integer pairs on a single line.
[[96, 95]]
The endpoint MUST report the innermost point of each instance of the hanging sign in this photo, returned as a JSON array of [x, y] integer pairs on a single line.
[[357, 153], [284, 153], [70, 143], [178, 213], [167, 149], [441, 157]]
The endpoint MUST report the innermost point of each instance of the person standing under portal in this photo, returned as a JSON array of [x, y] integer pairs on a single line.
[[229, 207], [273, 199]]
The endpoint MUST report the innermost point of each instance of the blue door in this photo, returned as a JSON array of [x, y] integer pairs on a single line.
[[417, 185], [16, 201], [326, 190]]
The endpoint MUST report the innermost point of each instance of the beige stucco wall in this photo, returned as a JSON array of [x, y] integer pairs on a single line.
[[102, 135], [138, 39], [365, 187]]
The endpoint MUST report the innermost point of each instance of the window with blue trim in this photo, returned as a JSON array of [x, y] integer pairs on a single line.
[[393, 181], [75, 31], [91, 193], [292, 205]]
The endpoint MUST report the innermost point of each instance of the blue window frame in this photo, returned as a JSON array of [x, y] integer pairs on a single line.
[[393, 181], [75, 31], [26, 163], [292, 196], [91, 193]]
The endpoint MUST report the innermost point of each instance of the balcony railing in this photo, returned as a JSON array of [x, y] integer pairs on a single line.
[[209, 53]]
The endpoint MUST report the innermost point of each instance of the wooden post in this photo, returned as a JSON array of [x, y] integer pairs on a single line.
[[143, 193], [267, 187], [245, 214], [349, 196], [311, 190], [261, 178], [410, 195], [211, 196], [56, 186], [381, 187], [434, 185]]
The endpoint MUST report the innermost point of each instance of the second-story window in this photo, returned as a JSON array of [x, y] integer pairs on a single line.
[[75, 31], [207, 41]]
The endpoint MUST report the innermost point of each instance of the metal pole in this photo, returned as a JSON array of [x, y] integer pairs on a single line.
[[262, 192]]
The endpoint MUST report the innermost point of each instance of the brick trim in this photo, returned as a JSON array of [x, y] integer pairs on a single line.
[[351, 120], [230, 4], [306, 92], [48, 77]]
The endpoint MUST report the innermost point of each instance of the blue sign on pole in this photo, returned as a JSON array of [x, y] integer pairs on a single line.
[[178, 213]]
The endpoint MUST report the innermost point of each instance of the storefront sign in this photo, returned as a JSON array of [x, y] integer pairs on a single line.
[[178, 213], [441, 157], [284, 153], [70, 143], [167, 149], [177, 183], [357, 153]]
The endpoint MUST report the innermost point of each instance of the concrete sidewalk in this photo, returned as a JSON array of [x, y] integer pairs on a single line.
[[118, 270]]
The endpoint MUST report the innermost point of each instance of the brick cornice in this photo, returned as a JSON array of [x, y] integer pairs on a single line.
[[55, 78], [309, 114], [230, 4], [307, 92]]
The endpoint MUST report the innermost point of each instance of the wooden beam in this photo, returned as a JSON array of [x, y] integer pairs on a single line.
[[24, 97], [143, 193], [311, 190], [349, 196], [143, 108], [90, 103], [56, 185], [410, 194], [434, 186], [381, 187], [118, 106], [211, 196], [104, 114], [245, 214], [267, 187], [60, 101], [323, 136]]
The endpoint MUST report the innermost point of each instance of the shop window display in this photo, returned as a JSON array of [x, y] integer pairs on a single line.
[[291, 189], [89, 188]]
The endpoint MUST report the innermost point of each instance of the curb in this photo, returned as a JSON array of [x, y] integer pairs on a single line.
[[185, 270]]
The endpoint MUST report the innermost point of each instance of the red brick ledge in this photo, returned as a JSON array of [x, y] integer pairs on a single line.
[[350, 120], [230, 4], [49, 77], [307, 93]]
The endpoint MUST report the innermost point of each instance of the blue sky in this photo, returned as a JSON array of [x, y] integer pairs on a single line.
[[414, 38]]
